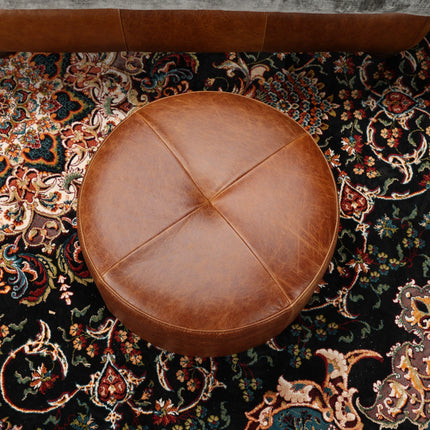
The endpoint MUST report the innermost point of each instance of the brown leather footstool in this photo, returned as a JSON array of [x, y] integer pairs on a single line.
[[207, 219]]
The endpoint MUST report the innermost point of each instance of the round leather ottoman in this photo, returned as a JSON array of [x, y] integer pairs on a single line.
[[206, 220]]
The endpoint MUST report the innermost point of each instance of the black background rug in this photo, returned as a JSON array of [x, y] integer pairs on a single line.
[[357, 356]]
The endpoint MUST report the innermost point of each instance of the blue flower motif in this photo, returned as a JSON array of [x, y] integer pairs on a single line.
[[394, 263], [408, 243], [332, 328], [363, 282], [419, 243], [296, 329], [383, 269], [321, 334], [385, 227]]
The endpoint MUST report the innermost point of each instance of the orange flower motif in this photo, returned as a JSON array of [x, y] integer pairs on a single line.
[[42, 379], [165, 412]]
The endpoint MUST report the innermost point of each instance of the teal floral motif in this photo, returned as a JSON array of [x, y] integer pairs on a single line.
[[302, 96], [385, 227], [29, 278], [308, 405], [67, 363], [242, 368]]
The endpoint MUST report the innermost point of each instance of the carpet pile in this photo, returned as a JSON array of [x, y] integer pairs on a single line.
[[357, 356]]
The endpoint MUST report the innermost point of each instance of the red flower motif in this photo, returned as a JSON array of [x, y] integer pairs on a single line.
[[396, 102], [42, 379], [360, 261], [80, 135], [165, 413], [426, 181], [81, 76]]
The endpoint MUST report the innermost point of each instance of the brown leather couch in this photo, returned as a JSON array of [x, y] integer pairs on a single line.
[[89, 30]]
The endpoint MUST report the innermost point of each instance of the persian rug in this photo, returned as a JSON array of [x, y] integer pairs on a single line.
[[358, 356]]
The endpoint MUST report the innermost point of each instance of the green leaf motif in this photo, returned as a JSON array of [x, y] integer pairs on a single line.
[[356, 297], [347, 339], [80, 313], [412, 215], [22, 379], [18, 327], [426, 265], [99, 316], [79, 359]]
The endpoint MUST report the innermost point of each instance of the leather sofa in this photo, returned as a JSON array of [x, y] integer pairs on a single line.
[[72, 30]]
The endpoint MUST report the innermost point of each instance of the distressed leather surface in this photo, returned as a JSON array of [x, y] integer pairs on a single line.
[[88, 30], [207, 220]]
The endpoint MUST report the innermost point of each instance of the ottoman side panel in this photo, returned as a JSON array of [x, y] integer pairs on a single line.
[[196, 342], [197, 276]]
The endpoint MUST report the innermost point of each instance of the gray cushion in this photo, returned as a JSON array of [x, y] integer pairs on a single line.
[[416, 7]]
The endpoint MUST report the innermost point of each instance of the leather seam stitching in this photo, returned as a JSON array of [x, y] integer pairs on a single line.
[[251, 169], [188, 214], [266, 18], [121, 22], [257, 257], [151, 239], [253, 252], [190, 330], [173, 152]]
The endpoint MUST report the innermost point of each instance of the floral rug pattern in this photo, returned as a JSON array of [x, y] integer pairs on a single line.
[[356, 357]]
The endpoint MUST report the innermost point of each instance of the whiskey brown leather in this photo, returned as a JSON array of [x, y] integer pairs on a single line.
[[61, 30], [207, 219], [71, 30], [193, 30], [376, 33]]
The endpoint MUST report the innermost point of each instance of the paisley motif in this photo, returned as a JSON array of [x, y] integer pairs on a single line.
[[353, 203], [356, 357], [111, 387], [402, 397]]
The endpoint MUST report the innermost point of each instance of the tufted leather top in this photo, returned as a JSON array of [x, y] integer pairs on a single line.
[[207, 219]]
